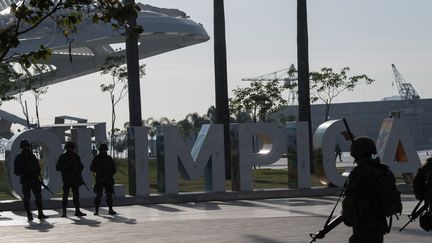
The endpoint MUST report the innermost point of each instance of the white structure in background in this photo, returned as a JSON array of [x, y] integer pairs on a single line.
[[164, 30]]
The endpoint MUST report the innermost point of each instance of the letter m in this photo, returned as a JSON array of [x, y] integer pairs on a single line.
[[205, 159]]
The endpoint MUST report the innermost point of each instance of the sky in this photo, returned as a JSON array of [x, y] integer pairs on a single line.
[[367, 36]]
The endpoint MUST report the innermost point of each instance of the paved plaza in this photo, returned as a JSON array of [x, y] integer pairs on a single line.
[[270, 220]]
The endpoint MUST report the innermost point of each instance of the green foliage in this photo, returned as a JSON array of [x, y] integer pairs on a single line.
[[327, 84], [68, 15], [192, 123], [258, 100]]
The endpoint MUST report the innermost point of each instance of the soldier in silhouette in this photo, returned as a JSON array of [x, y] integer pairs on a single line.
[[27, 167], [104, 167], [71, 167]]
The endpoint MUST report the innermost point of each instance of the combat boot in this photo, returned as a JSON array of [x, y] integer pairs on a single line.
[[78, 213], [41, 215], [111, 211], [64, 213], [96, 212], [29, 216]]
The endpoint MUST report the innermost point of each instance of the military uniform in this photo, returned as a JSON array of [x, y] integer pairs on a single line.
[[358, 210], [422, 186], [104, 167], [27, 167], [420, 180], [71, 167]]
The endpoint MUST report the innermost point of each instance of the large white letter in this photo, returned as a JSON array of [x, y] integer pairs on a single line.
[[324, 142], [259, 144], [396, 148], [82, 139], [298, 154], [206, 158], [138, 139]]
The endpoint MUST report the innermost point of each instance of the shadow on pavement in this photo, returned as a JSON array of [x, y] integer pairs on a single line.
[[163, 208], [43, 226], [207, 206], [84, 221], [120, 219], [257, 238]]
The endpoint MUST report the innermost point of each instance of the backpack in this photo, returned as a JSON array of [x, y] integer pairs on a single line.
[[387, 196]]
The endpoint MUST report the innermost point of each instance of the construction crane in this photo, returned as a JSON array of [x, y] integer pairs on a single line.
[[285, 75], [405, 89]]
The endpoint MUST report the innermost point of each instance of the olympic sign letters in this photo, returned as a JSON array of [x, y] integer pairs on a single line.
[[251, 144]]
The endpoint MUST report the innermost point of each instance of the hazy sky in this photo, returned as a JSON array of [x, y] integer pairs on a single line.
[[367, 35]]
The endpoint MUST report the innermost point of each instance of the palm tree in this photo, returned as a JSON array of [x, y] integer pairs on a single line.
[[221, 84], [303, 68]]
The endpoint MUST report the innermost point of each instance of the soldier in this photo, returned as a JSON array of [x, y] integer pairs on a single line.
[[71, 167], [104, 167], [27, 167], [362, 208], [422, 186]]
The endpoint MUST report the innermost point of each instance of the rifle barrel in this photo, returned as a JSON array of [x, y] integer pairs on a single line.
[[414, 215], [327, 228]]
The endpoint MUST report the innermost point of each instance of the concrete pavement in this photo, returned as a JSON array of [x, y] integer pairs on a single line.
[[270, 220]]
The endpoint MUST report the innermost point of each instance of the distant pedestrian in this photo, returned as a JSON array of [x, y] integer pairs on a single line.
[[71, 167], [27, 167], [338, 152], [104, 167]]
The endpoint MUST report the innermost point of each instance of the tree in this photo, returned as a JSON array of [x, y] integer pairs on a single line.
[[191, 124], [37, 93], [258, 100], [326, 85], [117, 87], [27, 16]]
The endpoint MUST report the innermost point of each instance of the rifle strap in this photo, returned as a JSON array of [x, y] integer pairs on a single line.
[[337, 202]]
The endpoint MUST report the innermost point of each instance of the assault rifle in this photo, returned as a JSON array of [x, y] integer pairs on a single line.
[[331, 224], [415, 213], [83, 183], [45, 186]]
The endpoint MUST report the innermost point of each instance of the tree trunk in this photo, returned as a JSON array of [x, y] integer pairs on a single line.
[[221, 86], [134, 94], [303, 70], [327, 111]]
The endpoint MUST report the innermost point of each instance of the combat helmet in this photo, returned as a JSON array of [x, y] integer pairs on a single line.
[[103, 147], [69, 145], [363, 147], [24, 143]]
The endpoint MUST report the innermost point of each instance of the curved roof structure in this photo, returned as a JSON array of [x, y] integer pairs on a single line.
[[164, 30]]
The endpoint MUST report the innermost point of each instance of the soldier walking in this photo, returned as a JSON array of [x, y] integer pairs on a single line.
[[369, 187], [104, 167], [27, 167], [71, 167]]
